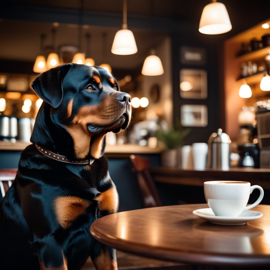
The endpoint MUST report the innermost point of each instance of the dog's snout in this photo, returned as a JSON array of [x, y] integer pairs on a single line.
[[123, 97]]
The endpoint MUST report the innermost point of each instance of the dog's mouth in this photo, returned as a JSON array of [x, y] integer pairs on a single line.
[[120, 123]]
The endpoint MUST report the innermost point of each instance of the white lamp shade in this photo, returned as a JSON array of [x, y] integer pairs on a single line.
[[245, 91], [124, 43], [52, 61], [265, 83], [78, 59], [40, 64], [89, 62], [152, 66], [107, 67], [215, 19]]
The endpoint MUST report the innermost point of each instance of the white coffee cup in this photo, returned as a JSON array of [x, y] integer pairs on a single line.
[[199, 151], [229, 198]]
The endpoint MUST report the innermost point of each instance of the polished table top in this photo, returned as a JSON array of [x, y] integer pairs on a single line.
[[173, 233]]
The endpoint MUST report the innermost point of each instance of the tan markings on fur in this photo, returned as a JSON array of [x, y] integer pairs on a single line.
[[112, 81], [68, 208], [104, 261], [81, 140], [63, 267], [96, 146], [69, 108], [97, 79], [108, 200]]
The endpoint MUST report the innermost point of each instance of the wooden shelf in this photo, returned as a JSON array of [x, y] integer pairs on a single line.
[[255, 55], [254, 79]]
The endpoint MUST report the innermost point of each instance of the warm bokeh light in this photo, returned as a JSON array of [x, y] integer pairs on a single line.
[[13, 95], [78, 58], [152, 66], [26, 109], [2, 104], [27, 103], [52, 61], [107, 67], [185, 86], [39, 102], [135, 102], [265, 26], [245, 91], [215, 19], [265, 83], [40, 64], [124, 43], [89, 62], [144, 102]]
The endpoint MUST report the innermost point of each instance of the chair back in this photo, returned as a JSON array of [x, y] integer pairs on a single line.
[[145, 181], [7, 177]]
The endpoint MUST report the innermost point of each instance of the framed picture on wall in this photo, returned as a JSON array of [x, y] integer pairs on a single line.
[[192, 55], [193, 83], [194, 115]]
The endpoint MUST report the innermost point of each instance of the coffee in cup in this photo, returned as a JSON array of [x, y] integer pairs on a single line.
[[229, 198]]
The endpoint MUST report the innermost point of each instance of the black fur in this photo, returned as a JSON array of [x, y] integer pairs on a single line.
[[29, 230]]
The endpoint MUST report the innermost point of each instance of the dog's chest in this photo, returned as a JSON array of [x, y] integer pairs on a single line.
[[69, 208]]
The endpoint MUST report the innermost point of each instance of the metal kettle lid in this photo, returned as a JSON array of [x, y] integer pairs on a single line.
[[219, 137]]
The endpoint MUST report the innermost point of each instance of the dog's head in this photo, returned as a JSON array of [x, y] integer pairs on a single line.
[[86, 102]]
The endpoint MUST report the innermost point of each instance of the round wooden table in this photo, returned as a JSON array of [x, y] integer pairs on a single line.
[[174, 234]]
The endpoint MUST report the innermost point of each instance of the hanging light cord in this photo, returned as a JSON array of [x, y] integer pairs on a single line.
[[53, 38], [42, 37], [153, 51], [88, 36], [124, 26], [80, 22]]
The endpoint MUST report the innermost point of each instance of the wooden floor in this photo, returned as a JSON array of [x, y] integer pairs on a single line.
[[127, 261]]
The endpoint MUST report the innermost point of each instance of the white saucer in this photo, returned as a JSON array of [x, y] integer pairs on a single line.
[[242, 219]]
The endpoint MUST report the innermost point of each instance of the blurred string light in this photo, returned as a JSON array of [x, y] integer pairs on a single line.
[[25, 109], [265, 26], [265, 83], [245, 91], [135, 102], [144, 102], [27, 103], [2, 104], [185, 86], [39, 102]]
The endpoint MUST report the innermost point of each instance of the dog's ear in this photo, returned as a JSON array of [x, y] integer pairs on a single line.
[[98, 144], [48, 85]]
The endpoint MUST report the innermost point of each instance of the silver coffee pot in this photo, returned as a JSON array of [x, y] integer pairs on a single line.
[[219, 151]]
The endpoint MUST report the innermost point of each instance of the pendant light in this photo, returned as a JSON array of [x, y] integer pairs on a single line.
[[79, 56], [245, 91], [104, 65], [124, 42], [53, 59], [40, 63], [215, 19], [88, 61], [265, 83], [152, 65]]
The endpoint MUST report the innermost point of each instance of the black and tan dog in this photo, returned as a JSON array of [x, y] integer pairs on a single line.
[[63, 183]]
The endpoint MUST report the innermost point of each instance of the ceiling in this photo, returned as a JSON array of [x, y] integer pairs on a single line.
[[22, 38]]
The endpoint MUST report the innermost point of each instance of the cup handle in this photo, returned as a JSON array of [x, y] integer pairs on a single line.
[[258, 200]]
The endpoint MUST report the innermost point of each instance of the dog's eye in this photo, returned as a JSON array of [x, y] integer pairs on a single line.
[[89, 87], [115, 87]]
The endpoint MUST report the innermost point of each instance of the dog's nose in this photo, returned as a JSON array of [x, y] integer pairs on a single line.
[[123, 97]]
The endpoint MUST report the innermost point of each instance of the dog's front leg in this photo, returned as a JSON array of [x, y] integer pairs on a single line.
[[103, 257], [50, 254]]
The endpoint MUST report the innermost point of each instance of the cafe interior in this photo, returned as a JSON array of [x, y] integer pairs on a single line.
[[198, 74]]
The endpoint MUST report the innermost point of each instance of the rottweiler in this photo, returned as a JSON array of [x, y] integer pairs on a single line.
[[63, 183]]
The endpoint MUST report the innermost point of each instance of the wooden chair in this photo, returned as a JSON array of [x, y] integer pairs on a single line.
[[148, 189], [7, 177]]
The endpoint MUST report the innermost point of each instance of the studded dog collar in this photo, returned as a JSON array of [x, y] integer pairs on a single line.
[[61, 158]]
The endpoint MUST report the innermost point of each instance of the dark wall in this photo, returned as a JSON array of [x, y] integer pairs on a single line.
[[213, 65]]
